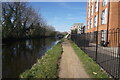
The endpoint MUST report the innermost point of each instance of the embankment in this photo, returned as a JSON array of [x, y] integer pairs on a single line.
[[47, 67]]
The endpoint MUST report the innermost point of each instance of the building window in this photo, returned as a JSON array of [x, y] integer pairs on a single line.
[[104, 16], [90, 23], [88, 13], [95, 35], [104, 2], [91, 35], [88, 2], [96, 6], [87, 23], [92, 9], [92, 1], [103, 35], [95, 20]]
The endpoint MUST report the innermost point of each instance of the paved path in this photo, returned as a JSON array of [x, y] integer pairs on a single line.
[[70, 65]]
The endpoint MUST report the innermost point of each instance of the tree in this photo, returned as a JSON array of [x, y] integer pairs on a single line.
[[21, 21], [0, 18], [7, 13], [74, 31]]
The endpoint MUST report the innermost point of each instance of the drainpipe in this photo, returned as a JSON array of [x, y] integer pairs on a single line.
[[108, 22]]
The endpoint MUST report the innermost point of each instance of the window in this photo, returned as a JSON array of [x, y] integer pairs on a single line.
[[95, 20], [92, 9], [104, 16], [90, 23], [104, 2], [103, 35], [90, 38], [87, 23], [96, 6], [88, 2], [88, 13], [95, 35], [92, 0]]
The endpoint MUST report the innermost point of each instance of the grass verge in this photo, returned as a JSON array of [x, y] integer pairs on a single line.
[[47, 67], [93, 69]]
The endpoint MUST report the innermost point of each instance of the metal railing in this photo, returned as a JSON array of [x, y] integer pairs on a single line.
[[103, 47]]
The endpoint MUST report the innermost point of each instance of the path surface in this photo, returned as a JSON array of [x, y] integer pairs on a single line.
[[70, 65]]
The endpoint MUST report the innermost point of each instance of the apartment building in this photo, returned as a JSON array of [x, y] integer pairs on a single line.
[[78, 28], [103, 16]]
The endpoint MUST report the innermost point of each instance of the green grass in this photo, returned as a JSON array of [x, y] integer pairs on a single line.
[[93, 69], [47, 67]]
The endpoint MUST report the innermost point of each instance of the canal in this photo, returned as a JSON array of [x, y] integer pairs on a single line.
[[21, 55]]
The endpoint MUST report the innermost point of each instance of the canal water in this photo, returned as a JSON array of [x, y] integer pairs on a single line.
[[21, 55]]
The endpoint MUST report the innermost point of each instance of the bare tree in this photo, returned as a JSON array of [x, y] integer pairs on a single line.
[[19, 19]]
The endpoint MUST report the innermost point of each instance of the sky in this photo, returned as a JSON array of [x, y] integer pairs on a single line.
[[62, 15]]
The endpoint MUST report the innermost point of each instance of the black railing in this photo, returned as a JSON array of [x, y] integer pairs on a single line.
[[103, 47]]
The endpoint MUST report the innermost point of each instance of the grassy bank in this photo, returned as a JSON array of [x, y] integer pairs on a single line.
[[47, 67], [91, 67]]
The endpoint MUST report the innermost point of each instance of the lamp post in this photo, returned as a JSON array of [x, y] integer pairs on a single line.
[[97, 35]]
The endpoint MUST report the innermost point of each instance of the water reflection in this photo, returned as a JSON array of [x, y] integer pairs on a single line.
[[21, 55]]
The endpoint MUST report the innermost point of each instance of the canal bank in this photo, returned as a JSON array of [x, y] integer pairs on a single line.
[[47, 67], [20, 55]]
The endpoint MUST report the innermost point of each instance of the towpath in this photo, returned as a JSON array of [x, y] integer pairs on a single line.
[[70, 65]]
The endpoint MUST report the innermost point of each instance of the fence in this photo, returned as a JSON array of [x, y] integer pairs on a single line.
[[103, 47]]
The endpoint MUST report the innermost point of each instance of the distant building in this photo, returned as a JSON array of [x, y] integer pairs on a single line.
[[78, 28]]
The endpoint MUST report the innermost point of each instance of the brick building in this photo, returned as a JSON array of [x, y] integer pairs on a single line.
[[102, 17]]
